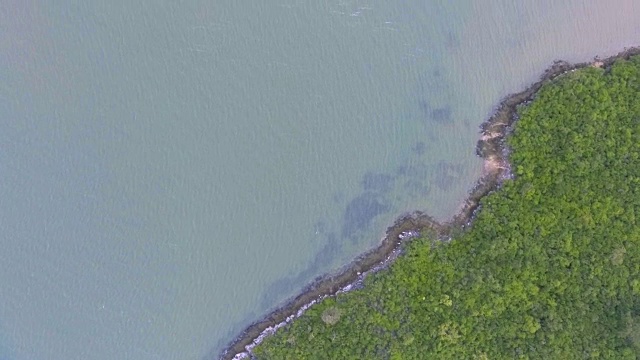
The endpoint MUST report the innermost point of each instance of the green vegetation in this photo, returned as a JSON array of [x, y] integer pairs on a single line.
[[550, 268]]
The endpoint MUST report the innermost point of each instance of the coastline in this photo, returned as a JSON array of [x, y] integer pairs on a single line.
[[491, 148]]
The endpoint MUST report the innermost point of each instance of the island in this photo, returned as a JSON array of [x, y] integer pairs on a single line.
[[542, 262]]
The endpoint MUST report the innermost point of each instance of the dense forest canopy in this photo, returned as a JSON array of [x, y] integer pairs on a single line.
[[550, 267]]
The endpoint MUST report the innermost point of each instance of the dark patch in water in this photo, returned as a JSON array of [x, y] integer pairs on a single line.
[[380, 183], [360, 212], [420, 148], [425, 107], [357, 217], [442, 114]]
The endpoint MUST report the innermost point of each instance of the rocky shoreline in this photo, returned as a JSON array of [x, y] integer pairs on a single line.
[[491, 147]]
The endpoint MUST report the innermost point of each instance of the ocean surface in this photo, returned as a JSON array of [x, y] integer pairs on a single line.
[[170, 171]]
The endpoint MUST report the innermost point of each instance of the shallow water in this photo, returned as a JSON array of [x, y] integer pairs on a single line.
[[169, 173]]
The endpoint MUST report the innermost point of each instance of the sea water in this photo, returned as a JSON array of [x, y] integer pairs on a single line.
[[172, 171]]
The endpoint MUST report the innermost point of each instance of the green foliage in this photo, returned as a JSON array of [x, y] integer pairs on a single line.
[[550, 268]]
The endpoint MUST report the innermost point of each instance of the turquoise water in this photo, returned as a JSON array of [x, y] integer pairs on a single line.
[[169, 172]]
